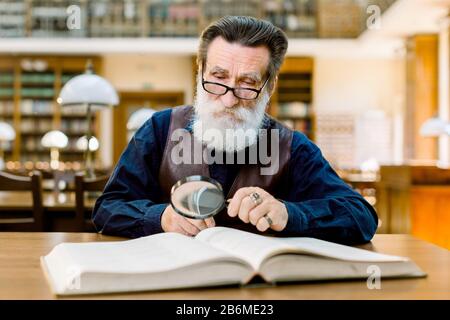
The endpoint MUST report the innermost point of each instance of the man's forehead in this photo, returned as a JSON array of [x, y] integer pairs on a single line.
[[234, 57]]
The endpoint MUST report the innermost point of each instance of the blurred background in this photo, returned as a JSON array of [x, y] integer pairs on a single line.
[[366, 80]]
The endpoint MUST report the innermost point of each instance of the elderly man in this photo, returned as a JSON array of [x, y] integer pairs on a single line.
[[239, 59]]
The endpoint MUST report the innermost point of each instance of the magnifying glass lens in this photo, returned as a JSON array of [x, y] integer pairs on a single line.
[[197, 197]]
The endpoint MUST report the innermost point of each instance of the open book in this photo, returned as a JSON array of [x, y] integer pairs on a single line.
[[216, 256]]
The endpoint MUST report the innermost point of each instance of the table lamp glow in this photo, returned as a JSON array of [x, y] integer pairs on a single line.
[[54, 140], [82, 144]]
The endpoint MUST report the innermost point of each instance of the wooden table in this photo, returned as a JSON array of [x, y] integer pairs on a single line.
[[59, 208], [63, 201], [21, 276]]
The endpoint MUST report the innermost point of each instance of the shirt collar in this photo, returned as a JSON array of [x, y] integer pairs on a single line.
[[189, 125]]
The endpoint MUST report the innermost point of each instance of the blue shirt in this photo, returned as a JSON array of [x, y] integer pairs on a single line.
[[318, 202]]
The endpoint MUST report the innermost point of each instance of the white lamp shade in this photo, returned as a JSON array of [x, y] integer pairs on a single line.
[[370, 165], [54, 139], [139, 117], [433, 127], [7, 132], [82, 143], [88, 89]]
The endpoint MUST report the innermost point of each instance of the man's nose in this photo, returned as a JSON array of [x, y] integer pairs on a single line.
[[229, 100]]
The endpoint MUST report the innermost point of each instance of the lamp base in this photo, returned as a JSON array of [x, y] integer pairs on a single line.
[[89, 173]]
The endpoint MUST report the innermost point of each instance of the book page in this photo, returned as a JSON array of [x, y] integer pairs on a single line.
[[338, 251], [161, 252], [256, 248], [248, 246]]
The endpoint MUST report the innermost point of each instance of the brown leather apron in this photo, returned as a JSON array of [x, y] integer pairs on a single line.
[[249, 174]]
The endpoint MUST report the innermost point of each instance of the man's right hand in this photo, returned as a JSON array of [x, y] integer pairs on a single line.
[[174, 222]]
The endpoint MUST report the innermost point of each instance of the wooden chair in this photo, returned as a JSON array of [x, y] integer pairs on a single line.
[[83, 222], [23, 218], [66, 178]]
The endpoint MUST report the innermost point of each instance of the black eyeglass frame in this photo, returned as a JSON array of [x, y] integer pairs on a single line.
[[233, 89]]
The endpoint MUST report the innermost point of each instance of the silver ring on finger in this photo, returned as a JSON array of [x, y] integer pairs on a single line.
[[256, 198], [268, 219]]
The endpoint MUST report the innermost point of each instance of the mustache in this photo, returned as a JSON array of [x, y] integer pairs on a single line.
[[237, 112], [217, 110]]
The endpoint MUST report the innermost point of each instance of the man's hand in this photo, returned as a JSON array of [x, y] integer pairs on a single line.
[[174, 222], [247, 210]]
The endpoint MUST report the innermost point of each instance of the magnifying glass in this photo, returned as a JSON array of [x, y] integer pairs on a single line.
[[197, 197]]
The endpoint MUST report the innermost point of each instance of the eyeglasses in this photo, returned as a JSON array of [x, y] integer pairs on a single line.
[[240, 93]]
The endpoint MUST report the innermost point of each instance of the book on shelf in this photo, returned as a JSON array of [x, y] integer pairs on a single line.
[[215, 257], [29, 106], [6, 107], [12, 19], [6, 93], [294, 109]]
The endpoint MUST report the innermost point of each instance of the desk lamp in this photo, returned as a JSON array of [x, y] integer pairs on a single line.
[[92, 92], [54, 140]]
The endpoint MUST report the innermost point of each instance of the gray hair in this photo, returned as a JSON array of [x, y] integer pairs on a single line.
[[250, 32]]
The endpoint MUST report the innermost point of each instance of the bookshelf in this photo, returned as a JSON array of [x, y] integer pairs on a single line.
[[175, 19], [7, 101], [117, 18], [29, 88], [297, 18], [47, 18], [293, 97], [13, 18], [180, 18], [215, 9]]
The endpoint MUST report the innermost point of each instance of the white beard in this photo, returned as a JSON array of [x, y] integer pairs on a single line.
[[227, 129]]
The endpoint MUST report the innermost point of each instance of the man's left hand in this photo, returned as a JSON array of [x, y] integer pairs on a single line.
[[268, 210]]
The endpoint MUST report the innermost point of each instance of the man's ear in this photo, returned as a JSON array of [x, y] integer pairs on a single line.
[[274, 85]]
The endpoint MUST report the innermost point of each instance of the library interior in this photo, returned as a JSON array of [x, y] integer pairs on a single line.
[[366, 81]]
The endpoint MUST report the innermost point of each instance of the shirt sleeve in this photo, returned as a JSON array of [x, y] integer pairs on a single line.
[[131, 205], [320, 204]]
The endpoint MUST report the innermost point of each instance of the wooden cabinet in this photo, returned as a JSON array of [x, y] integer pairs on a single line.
[[430, 213], [416, 200], [393, 199], [29, 86]]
